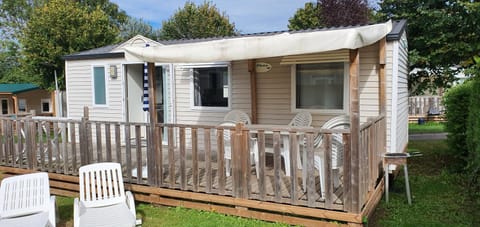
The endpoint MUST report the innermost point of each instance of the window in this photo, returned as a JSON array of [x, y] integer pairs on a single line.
[[320, 86], [22, 105], [46, 106], [99, 86], [210, 87], [4, 106]]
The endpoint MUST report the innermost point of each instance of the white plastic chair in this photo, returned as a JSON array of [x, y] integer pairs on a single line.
[[230, 119], [25, 201], [338, 122], [301, 119], [103, 200], [236, 116]]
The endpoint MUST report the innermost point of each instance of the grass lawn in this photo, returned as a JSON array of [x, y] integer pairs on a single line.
[[440, 197], [428, 127], [153, 215]]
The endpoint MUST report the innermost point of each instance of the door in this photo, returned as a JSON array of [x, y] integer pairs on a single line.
[[134, 93]]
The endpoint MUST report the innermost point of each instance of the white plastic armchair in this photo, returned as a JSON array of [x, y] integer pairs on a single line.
[[227, 143], [103, 200], [25, 201], [236, 116], [338, 122], [230, 119], [301, 119]]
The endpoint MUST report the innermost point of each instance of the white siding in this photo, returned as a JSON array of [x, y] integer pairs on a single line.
[[79, 90], [397, 110], [402, 102], [369, 82]]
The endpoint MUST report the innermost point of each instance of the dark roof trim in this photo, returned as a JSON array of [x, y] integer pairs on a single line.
[[398, 29], [94, 56]]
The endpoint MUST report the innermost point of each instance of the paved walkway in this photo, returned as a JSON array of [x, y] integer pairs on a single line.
[[428, 136]]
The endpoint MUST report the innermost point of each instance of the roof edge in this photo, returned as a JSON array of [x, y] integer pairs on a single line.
[[398, 29], [94, 56]]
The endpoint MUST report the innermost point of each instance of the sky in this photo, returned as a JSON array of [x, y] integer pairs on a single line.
[[249, 16]]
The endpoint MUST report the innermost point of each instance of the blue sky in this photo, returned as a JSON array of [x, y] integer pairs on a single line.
[[248, 15]]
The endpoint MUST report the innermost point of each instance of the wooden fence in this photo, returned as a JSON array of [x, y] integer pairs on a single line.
[[192, 157], [421, 105]]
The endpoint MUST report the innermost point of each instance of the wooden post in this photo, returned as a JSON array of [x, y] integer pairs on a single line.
[[355, 130], [83, 137], [152, 152], [240, 165], [15, 104], [151, 93], [253, 89], [381, 76]]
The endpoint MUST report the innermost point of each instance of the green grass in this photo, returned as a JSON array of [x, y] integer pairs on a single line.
[[440, 197], [428, 127], [153, 215]]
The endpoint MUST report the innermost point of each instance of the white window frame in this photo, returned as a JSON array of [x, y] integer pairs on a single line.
[[42, 101], [105, 68], [25, 102], [346, 95], [192, 89]]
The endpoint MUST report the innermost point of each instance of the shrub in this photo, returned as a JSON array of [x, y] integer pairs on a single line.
[[473, 133], [457, 103]]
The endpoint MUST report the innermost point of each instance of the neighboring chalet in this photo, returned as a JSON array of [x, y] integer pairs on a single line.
[[157, 107], [21, 99]]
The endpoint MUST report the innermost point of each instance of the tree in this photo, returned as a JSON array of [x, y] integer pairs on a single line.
[[305, 18], [343, 12], [330, 13], [134, 26], [13, 17], [117, 16], [194, 21], [442, 38], [58, 28]]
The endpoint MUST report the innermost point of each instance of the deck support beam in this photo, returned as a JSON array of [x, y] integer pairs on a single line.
[[354, 71], [253, 89]]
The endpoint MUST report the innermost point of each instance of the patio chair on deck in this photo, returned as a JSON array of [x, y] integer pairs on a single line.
[[302, 119], [338, 122], [103, 201], [25, 201], [236, 116], [233, 117]]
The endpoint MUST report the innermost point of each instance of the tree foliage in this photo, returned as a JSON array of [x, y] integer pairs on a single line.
[[343, 12], [441, 34], [330, 13], [194, 21], [134, 26], [305, 18], [58, 28]]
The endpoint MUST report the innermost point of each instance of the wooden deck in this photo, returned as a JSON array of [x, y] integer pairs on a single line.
[[189, 165]]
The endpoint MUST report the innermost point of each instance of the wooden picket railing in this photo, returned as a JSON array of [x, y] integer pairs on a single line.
[[192, 157]]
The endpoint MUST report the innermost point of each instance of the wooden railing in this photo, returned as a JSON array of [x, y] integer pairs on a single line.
[[192, 157], [372, 149]]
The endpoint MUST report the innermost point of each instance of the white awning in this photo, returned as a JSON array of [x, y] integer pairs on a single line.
[[262, 46]]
